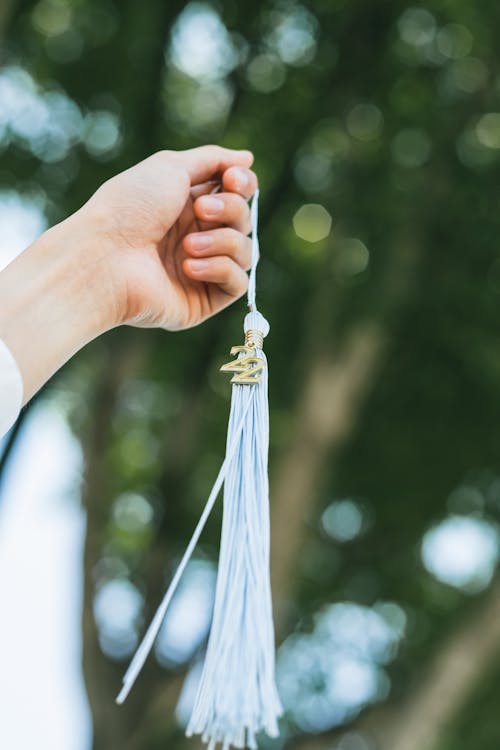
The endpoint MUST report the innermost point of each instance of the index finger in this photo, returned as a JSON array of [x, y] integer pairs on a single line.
[[204, 162]]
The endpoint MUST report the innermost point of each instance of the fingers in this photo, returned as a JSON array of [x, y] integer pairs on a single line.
[[234, 180], [220, 270], [204, 188], [224, 208], [224, 241], [206, 161], [240, 181]]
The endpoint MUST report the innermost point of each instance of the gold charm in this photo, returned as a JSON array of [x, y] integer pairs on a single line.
[[248, 368]]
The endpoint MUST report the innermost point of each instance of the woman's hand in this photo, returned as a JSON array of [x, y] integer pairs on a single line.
[[151, 247], [176, 253]]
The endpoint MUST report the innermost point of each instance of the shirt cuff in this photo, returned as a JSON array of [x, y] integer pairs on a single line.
[[11, 389]]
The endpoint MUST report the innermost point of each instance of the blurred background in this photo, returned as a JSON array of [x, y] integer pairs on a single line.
[[376, 131]]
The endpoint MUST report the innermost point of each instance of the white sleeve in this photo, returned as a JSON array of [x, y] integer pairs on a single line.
[[11, 389]]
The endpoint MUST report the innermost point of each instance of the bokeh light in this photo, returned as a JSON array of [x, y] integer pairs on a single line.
[[102, 134], [454, 41], [117, 609], [293, 36], [326, 676], [461, 551], [188, 618], [411, 147], [266, 73], [417, 26], [312, 222], [464, 77], [201, 46], [132, 512], [343, 520], [200, 55], [364, 121], [488, 130], [350, 258], [314, 171]]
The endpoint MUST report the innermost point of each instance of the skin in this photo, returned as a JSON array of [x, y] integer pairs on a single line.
[[151, 248]]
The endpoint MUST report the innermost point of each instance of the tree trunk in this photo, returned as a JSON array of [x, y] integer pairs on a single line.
[[102, 677], [6, 11], [331, 400], [451, 678]]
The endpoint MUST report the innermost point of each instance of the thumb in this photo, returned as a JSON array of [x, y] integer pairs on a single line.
[[204, 162]]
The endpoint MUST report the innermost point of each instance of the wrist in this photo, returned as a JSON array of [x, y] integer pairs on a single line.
[[55, 299], [86, 264]]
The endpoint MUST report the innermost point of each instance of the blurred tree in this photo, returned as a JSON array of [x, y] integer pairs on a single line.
[[384, 354]]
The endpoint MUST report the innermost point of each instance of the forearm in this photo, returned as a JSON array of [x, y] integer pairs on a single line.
[[54, 300]]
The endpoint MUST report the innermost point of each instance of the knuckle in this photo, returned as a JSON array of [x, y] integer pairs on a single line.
[[234, 241], [239, 208], [209, 149], [227, 268], [163, 155], [170, 164], [240, 202], [222, 268]]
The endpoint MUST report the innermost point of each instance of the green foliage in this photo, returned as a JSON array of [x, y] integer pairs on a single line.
[[384, 114]]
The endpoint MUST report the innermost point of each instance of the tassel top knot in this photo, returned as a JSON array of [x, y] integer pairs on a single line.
[[256, 322]]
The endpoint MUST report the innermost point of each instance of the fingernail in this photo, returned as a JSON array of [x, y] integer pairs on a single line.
[[242, 179], [211, 206], [200, 241]]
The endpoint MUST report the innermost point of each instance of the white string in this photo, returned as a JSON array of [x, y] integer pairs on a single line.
[[254, 218]]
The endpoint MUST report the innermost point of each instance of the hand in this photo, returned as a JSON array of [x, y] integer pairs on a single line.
[[175, 254], [131, 255]]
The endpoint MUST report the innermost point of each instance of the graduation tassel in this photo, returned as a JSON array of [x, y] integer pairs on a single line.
[[236, 697]]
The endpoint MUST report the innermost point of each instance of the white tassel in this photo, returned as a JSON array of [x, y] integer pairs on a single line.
[[237, 696]]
